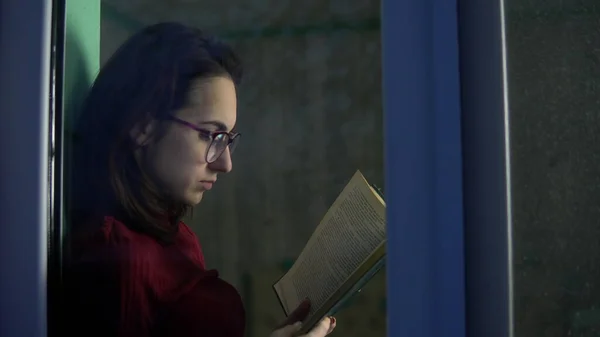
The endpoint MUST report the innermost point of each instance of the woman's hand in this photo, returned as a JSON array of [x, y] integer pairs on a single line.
[[293, 323], [324, 328]]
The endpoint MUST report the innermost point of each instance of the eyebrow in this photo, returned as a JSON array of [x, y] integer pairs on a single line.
[[219, 125]]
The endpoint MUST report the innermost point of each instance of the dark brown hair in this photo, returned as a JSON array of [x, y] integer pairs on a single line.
[[146, 79]]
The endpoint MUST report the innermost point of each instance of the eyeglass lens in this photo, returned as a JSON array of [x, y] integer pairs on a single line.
[[218, 146]]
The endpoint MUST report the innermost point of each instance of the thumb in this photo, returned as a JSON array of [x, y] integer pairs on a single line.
[[322, 329], [288, 330]]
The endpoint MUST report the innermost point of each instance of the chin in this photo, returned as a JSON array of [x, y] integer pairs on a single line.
[[195, 199]]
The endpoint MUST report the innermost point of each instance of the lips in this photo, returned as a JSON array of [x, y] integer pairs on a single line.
[[207, 185]]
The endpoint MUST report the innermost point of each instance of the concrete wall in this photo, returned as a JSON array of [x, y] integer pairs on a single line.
[[554, 92]]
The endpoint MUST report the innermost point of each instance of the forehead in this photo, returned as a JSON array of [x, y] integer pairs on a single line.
[[211, 99]]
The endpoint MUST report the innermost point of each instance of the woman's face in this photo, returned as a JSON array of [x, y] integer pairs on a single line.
[[178, 160]]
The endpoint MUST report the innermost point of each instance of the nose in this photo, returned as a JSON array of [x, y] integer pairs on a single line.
[[223, 164]]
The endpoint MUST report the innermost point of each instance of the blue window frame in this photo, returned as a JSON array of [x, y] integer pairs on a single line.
[[486, 169], [25, 33], [426, 286]]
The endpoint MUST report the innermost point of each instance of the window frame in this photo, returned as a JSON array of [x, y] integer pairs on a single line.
[[423, 171], [24, 173]]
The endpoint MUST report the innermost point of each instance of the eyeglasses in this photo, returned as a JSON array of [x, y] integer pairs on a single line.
[[219, 140]]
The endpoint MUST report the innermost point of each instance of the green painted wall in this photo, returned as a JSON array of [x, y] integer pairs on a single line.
[[82, 51]]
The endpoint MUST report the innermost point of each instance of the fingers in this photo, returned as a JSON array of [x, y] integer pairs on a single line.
[[325, 327], [333, 325], [288, 331], [297, 315]]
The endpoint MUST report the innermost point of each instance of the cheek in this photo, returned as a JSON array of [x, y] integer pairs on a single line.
[[179, 160]]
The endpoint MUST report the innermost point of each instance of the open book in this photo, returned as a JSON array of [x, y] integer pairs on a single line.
[[345, 251]]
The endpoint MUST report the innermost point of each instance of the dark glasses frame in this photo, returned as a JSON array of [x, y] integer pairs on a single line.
[[232, 139]]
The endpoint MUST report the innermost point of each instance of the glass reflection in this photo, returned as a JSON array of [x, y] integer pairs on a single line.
[[309, 107]]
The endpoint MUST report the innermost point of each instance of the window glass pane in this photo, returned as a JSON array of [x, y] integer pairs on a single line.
[[310, 115]]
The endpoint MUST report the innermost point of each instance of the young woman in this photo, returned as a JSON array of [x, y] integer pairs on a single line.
[[155, 133]]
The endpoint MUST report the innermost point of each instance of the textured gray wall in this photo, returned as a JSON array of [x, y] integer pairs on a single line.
[[554, 92]]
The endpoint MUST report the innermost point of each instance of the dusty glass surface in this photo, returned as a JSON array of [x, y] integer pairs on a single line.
[[311, 114], [554, 92]]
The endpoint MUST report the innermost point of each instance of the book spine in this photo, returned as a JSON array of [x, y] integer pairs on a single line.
[[378, 190], [357, 287]]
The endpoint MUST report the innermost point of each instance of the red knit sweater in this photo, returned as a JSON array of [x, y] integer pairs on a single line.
[[124, 283]]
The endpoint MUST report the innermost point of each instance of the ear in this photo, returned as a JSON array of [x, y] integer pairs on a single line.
[[141, 134]]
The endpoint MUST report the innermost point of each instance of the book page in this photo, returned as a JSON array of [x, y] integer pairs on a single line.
[[351, 230]]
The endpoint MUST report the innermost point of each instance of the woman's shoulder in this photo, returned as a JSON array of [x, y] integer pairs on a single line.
[[113, 247], [111, 242]]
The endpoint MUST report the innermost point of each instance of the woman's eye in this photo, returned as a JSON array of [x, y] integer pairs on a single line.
[[205, 135]]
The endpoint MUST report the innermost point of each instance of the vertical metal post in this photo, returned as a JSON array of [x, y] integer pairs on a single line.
[[76, 56], [486, 166]]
